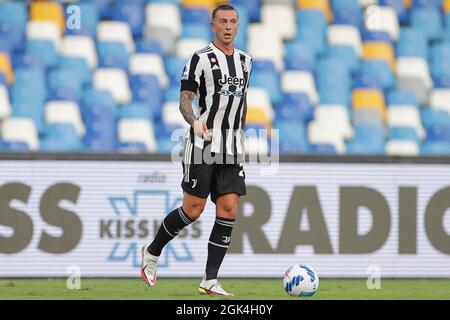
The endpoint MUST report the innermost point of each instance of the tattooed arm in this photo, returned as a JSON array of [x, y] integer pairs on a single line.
[[186, 110]]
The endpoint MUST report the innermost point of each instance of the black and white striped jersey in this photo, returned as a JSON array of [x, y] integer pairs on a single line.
[[220, 82]]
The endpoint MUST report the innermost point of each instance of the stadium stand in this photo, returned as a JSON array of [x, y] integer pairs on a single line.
[[349, 77]]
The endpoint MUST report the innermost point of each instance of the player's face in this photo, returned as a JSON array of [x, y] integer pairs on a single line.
[[225, 26]]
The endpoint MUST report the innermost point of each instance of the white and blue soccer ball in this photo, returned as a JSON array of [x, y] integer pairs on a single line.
[[301, 280]]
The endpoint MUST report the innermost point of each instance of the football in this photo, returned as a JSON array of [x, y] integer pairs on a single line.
[[301, 280]]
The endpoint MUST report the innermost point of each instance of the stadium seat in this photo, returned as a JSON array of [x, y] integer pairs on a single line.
[[402, 97], [172, 116], [44, 30], [379, 70], [320, 133], [137, 130], [388, 22], [6, 67], [403, 133], [402, 148], [265, 44], [379, 51], [346, 54], [60, 137], [295, 106], [334, 117], [48, 11], [112, 54], [369, 98], [44, 50], [440, 66], [196, 31], [440, 99], [413, 75], [403, 115], [185, 47], [14, 12], [312, 18], [435, 148], [272, 14], [412, 43], [65, 112], [5, 105], [259, 98], [301, 82], [292, 136], [89, 19], [80, 46], [115, 81], [345, 35], [20, 130], [269, 81], [132, 13], [429, 20], [14, 146], [322, 5], [256, 115], [131, 147], [116, 31], [149, 64], [163, 23]]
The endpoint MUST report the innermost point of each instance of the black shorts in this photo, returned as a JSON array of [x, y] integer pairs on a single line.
[[201, 178]]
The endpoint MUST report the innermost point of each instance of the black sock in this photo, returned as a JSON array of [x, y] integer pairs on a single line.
[[219, 241], [169, 229]]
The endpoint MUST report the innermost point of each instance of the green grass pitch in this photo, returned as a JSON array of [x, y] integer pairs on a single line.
[[244, 289]]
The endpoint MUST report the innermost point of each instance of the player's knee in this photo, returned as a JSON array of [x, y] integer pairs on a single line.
[[228, 210], [194, 210]]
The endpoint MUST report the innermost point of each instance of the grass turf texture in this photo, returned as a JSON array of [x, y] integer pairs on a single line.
[[247, 289]]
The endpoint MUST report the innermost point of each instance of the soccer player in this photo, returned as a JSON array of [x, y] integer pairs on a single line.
[[218, 76]]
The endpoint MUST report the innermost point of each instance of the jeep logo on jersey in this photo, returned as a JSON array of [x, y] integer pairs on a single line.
[[232, 81]]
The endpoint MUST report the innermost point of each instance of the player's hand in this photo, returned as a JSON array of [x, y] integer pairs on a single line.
[[201, 130]]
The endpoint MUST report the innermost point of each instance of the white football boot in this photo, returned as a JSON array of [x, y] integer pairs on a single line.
[[212, 288], [148, 267]]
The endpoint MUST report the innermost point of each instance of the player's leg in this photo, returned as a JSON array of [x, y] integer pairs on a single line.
[[172, 225], [229, 185]]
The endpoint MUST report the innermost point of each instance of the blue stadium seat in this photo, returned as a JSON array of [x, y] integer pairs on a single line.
[[321, 149], [399, 7], [101, 131], [195, 15], [429, 20], [89, 16], [30, 108], [65, 85], [295, 106], [403, 133], [412, 43], [441, 81], [270, 82], [346, 54], [311, 18], [352, 17], [172, 94], [29, 84], [334, 95], [402, 97], [164, 137], [104, 8], [368, 140], [14, 146], [310, 38], [23, 61], [196, 31], [135, 111], [98, 98], [381, 70], [375, 36], [427, 3], [292, 135], [15, 12], [365, 80], [299, 57], [174, 68], [147, 89], [60, 138], [131, 12], [253, 8], [131, 147], [76, 65], [149, 46], [440, 64], [435, 148], [43, 50], [11, 37], [112, 55]]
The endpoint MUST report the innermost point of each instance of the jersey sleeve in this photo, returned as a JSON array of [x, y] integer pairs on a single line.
[[250, 64], [190, 79]]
